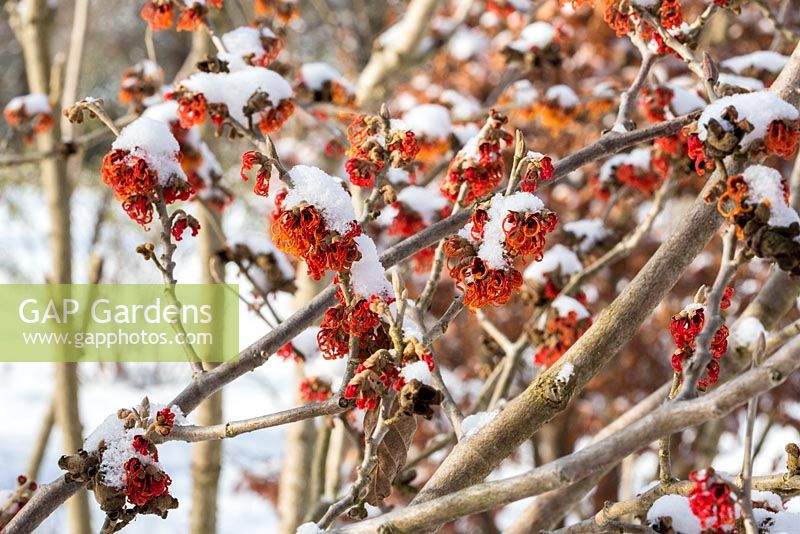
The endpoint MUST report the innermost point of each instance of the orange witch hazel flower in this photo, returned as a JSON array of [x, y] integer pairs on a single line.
[[315, 222], [159, 14], [144, 158], [284, 11], [567, 321], [371, 148], [256, 46], [480, 257], [29, 114], [480, 162]]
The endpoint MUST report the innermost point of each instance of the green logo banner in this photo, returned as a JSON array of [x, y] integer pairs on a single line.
[[118, 322]]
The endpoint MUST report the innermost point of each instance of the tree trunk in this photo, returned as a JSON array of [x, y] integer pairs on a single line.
[[294, 491], [207, 455], [32, 29]]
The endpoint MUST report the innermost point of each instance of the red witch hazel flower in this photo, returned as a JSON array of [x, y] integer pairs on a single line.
[[250, 159], [634, 169], [480, 257], [315, 222], [711, 501], [256, 46], [539, 169], [143, 483], [181, 223], [566, 321], [684, 328], [654, 102], [371, 147], [29, 114], [143, 159], [372, 379], [479, 163], [747, 124], [249, 95], [315, 389]]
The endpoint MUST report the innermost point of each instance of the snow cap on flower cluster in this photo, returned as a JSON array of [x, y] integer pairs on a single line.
[[763, 59], [563, 95], [764, 184], [539, 35], [588, 231], [557, 258], [564, 305], [118, 443], [323, 191], [314, 76], [33, 104], [431, 121], [638, 158], [759, 108], [245, 41], [677, 508], [235, 88], [368, 274], [491, 249], [152, 141]]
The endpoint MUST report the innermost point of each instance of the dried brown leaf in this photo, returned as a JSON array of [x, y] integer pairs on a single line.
[[392, 452]]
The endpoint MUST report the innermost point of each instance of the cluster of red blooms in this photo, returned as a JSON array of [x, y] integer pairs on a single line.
[[539, 169], [408, 222], [315, 389], [303, 233], [371, 148], [183, 222], [684, 328], [670, 152], [654, 102], [711, 501], [524, 236], [284, 11], [358, 319], [696, 152], [479, 163], [160, 14], [140, 82], [134, 183], [560, 333], [29, 124], [372, 378], [619, 17]]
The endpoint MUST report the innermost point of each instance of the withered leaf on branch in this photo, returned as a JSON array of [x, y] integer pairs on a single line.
[[392, 451]]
